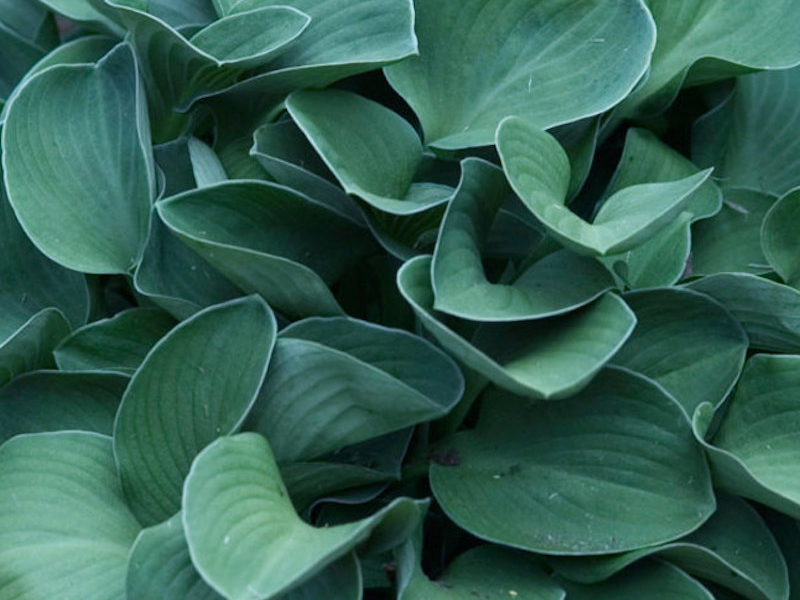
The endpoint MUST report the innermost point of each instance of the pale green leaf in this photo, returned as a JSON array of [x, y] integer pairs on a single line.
[[206, 166]]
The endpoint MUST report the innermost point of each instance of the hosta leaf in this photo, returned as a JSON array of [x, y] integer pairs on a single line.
[[733, 548], [17, 55], [30, 20], [336, 382], [405, 237], [779, 237], [483, 60], [460, 284], [651, 579], [539, 171], [32, 282], [234, 502], [580, 476], [30, 347], [731, 240], [705, 41], [488, 572], [751, 138], [63, 522], [175, 168], [83, 11], [160, 568], [768, 311], [78, 168], [288, 156], [269, 239], [373, 152], [116, 344], [52, 401], [686, 342], [579, 140], [206, 166], [661, 260], [786, 532], [758, 433], [549, 358], [196, 384], [344, 38], [180, 13]]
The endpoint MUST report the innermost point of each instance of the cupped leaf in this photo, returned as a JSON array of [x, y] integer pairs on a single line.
[[751, 138], [582, 476], [269, 239], [52, 401], [119, 343], [160, 568], [539, 171], [699, 42], [687, 343], [483, 60], [206, 166], [733, 548], [78, 165], [373, 152], [650, 579], [768, 311], [244, 536], [731, 240], [30, 346], [339, 381], [488, 572], [779, 238], [460, 284], [178, 279], [542, 359], [758, 429], [196, 384], [661, 260], [63, 521]]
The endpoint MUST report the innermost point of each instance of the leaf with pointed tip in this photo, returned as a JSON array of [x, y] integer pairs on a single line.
[[196, 384], [118, 344], [483, 60], [269, 239], [459, 281], [779, 238], [539, 171], [653, 580], [339, 381], [63, 521], [686, 342], [758, 430], [53, 401], [733, 548], [373, 152], [768, 311], [31, 346], [542, 359], [661, 260], [582, 476], [78, 167], [206, 166], [234, 502], [178, 279], [751, 138], [731, 240], [488, 572], [700, 42]]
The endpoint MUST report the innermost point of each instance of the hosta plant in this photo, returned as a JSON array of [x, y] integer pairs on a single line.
[[399, 299]]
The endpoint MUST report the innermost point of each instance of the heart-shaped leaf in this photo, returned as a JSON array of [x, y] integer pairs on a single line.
[[117, 344], [52, 401], [459, 280], [483, 60], [63, 521], [336, 382], [779, 238], [580, 476], [686, 342], [203, 375], [78, 167], [543, 359], [539, 171], [234, 502]]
